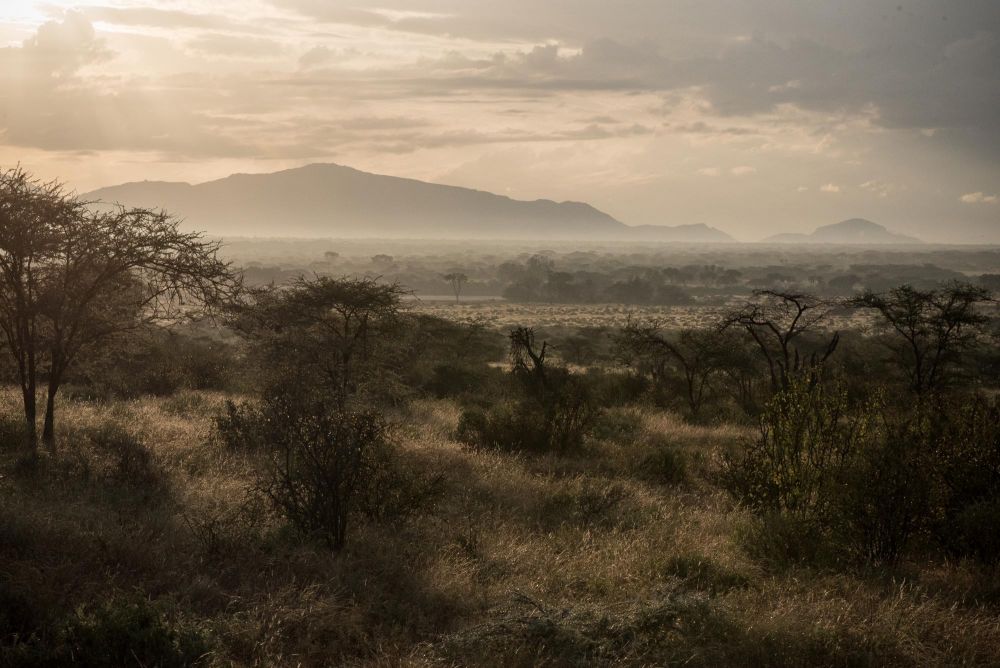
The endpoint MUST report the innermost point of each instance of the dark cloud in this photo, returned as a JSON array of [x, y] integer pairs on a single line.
[[918, 64]]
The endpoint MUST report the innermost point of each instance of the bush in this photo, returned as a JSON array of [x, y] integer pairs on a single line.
[[884, 501], [516, 426], [323, 462], [868, 481], [618, 426], [963, 436], [553, 410], [125, 459], [120, 632], [239, 428], [793, 466], [161, 364], [665, 464], [820, 471]]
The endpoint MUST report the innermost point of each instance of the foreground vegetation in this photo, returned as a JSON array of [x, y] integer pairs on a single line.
[[149, 533]]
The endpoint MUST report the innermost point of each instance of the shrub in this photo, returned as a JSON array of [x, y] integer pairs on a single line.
[[160, 363], [963, 435], [320, 459], [324, 462], [867, 481], [884, 499], [559, 426], [618, 426], [125, 632], [794, 464], [552, 411], [665, 464], [239, 427], [126, 459]]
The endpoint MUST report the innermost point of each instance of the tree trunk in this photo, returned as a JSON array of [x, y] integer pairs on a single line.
[[30, 420], [49, 429]]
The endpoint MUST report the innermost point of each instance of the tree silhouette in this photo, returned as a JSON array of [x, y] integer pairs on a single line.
[[931, 328], [72, 277], [457, 280], [778, 322]]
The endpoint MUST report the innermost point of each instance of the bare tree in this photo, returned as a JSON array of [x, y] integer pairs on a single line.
[[457, 280], [693, 355], [778, 323], [72, 278], [931, 328], [527, 361]]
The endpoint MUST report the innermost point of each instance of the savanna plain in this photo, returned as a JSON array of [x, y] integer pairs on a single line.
[[430, 456]]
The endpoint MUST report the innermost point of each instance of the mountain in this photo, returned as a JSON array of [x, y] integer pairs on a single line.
[[327, 200], [853, 231]]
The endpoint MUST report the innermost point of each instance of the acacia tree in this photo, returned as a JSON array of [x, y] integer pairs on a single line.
[[325, 331], [930, 328], [73, 277], [457, 280], [778, 323], [693, 355], [325, 346]]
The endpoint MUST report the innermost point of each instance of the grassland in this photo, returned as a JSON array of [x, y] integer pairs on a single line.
[[504, 315], [629, 554]]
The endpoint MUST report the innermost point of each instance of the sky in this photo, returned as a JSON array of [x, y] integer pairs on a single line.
[[753, 116]]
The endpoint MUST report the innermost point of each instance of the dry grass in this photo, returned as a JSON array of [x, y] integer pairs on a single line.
[[519, 561], [504, 315]]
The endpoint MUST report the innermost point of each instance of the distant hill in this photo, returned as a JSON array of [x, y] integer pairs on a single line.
[[853, 231], [327, 200]]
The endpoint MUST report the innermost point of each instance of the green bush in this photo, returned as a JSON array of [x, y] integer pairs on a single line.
[[794, 465], [867, 481], [552, 410], [239, 428], [121, 632]]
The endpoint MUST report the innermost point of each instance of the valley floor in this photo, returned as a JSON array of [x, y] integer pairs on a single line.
[[627, 555]]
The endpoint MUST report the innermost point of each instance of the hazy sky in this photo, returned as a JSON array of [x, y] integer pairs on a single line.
[[755, 116]]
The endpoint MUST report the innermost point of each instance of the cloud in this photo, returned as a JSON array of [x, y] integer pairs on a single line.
[[926, 67], [159, 18], [710, 171], [743, 170], [978, 198], [832, 188], [235, 46], [876, 188], [57, 49]]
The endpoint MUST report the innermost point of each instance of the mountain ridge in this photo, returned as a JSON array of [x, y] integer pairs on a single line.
[[330, 200]]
